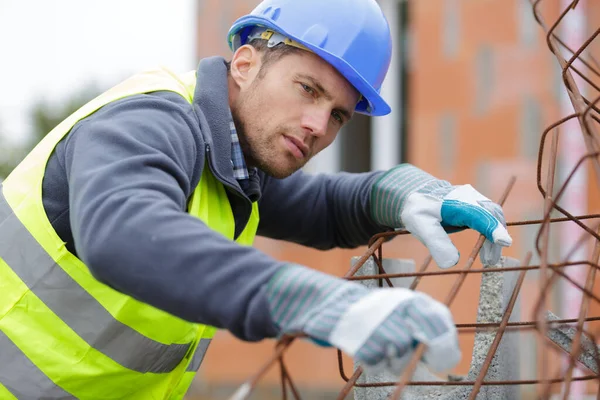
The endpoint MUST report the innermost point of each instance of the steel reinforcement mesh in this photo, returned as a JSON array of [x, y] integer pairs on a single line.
[[580, 75]]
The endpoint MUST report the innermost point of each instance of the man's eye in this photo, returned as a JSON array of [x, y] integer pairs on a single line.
[[338, 117], [307, 88]]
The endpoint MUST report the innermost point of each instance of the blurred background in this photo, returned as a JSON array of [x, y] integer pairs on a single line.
[[472, 87]]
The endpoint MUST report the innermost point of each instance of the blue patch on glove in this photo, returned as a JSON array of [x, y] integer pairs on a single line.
[[460, 214], [320, 342]]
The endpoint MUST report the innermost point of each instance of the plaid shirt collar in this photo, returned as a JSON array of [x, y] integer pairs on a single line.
[[240, 170]]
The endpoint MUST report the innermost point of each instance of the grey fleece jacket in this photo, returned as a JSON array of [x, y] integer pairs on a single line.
[[116, 189]]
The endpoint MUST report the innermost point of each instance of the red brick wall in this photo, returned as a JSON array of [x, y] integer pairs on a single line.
[[215, 17]]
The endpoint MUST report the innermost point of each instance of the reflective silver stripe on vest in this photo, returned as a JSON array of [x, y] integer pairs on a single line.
[[22, 378], [199, 354], [76, 307]]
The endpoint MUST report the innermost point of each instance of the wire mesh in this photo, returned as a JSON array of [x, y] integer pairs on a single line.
[[580, 77]]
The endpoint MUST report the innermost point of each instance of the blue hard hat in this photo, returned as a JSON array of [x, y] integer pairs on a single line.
[[351, 35]]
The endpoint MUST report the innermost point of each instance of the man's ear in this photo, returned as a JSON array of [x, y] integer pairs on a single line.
[[245, 66]]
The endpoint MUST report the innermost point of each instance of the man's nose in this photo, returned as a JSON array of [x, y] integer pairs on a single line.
[[316, 120]]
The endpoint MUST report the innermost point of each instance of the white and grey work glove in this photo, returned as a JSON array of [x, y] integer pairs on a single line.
[[407, 197], [380, 328]]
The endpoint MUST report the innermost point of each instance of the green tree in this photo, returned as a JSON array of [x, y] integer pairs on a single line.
[[44, 116], [8, 157]]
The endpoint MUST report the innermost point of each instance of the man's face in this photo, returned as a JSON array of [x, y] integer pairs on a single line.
[[290, 111]]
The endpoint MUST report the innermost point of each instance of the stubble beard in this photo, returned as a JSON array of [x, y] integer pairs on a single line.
[[261, 150]]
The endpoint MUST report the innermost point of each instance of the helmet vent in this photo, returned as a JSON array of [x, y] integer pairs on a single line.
[[316, 35], [272, 13]]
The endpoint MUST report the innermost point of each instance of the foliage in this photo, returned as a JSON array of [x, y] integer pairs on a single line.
[[44, 117]]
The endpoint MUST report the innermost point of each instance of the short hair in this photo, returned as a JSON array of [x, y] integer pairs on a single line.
[[269, 55]]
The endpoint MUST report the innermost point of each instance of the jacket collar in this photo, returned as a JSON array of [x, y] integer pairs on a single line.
[[212, 97]]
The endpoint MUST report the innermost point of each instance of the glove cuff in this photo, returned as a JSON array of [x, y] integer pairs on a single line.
[[304, 300], [390, 191]]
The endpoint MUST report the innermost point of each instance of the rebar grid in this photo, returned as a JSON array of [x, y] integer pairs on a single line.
[[586, 113]]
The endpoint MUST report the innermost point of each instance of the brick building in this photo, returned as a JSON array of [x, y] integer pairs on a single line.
[[472, 85]]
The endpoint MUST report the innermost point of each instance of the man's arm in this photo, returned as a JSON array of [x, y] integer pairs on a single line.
[[130, 169], [320, 211]]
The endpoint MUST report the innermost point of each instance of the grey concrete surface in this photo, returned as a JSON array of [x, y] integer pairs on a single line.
[[495, 293]]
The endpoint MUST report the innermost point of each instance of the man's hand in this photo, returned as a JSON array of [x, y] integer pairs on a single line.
[[379, 328], [407, 197]]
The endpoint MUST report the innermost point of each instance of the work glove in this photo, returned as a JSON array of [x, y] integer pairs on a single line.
[[380, 328], [406, 197]]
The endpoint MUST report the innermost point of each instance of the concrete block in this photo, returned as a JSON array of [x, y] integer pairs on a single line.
[[392, 266], [495, 293], [563, 336], [496, 290]]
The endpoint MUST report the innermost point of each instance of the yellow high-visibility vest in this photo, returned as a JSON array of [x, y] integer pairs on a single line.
[[64, 334]]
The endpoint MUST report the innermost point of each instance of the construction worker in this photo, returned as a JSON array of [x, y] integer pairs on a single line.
[[125, 235]]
